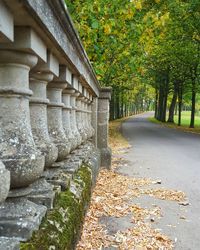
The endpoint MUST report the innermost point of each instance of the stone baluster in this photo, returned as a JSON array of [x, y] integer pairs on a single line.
[[94, 119], [85, 114], [38, 112], [73, 122], [17, 148], [67, 119], [79, 119], [84, 118], [89, 108], [4, 182], [54, 114]]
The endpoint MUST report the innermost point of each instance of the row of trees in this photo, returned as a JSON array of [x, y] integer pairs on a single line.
[[147, 50], [110, 32], [174, 57]]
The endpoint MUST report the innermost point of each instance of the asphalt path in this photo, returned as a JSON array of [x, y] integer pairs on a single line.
[[173, 157]]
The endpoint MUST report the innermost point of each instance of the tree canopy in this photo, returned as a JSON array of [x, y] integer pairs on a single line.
[[145, 49]]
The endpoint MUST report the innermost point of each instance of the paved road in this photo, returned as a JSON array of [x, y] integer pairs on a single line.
[[173, 157]]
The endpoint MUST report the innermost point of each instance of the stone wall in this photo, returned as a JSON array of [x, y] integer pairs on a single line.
[[53, 115]]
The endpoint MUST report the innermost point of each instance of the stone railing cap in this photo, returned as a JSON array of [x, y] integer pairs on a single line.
[[105, 93]]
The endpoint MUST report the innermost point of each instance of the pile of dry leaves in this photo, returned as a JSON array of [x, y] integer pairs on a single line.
[[114, 196]]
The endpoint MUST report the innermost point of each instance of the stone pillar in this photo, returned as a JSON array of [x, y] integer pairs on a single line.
[[38, 112], [89, 108], [74, 127], [102, 135], [94, 110], [85, 117], [79, 120], [67, 119], [17, 148], [54, 114], [18, 216], [4, 182]]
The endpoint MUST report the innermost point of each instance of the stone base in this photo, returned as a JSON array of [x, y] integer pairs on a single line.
[[4, 182], [71, 167], [9, 243], [20, 217], [74, 179], [62, 226], [57, 177], [94, 160], [42, 193], [106, 155]]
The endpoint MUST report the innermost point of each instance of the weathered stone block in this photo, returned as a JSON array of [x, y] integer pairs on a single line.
[[42, 193], [106, 156], [61, 227], [6, 24], [4, 182], [20, 218], [26, 39], [65, 74], [7, 243]]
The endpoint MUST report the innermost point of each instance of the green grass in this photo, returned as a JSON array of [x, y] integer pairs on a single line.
[[185, 123], [185, 119]]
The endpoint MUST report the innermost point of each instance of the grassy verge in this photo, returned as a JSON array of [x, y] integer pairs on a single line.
[[184, 127], [116, 139], [185, 119]]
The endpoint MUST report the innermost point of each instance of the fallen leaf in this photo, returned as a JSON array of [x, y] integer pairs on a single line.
[[184, 203]]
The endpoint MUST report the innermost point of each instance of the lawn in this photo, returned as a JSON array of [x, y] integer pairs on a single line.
[[185, 119], [185, 122]]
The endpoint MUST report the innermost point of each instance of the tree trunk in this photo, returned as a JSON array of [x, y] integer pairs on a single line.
[[112, 106], [117, 106], [176, 109], [156, 104], [193, 103], [166, 91], [180, 100], [160, 103], [173, 104]]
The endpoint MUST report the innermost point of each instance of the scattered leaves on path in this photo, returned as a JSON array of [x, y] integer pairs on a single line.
[[113, 196], [166, 194]]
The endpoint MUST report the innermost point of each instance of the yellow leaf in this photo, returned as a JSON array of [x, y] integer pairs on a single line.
[[138, 5], [107, 29]]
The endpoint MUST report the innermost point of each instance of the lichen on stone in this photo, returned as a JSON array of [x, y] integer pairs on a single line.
[[62, 225]]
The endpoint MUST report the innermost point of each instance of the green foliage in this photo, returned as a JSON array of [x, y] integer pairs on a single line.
[[135, 45], [110, 31]]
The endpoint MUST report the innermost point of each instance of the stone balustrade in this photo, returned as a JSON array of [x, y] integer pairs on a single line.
[[53, 113]]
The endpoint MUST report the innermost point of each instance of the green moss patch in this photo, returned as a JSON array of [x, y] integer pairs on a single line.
[[62, 226]]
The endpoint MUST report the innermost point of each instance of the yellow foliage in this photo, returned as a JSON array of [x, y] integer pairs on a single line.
[[137, 4], [196, 37], [107, 29], [130, 14], [164, 18]]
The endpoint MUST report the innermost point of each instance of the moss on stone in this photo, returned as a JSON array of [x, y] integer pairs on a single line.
[[62, 226]]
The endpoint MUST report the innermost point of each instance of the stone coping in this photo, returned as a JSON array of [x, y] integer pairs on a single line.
[[51, 20]]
